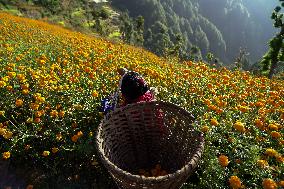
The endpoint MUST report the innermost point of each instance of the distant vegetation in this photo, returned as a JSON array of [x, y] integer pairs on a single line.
[[221, 27]]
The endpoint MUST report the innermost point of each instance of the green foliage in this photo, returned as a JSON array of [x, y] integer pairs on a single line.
[[52, 5], [270, 60]]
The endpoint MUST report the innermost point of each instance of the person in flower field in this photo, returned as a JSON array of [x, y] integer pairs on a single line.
[[134, 88]]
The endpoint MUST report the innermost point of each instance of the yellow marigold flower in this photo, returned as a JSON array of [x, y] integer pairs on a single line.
[[273, 127], [271, 152], [19, 102], [235, 182], [6, 78], [7, 135], [2, 131], [269, 184], [275, 134], [53, 113], [2, 84], [243, 108], [239, 126], [45, 153], [205, 129], [29, 120], [6, 155], [223, 160], [58, 136], [54, 150], [25, 91], [2, 113], [262, 163], [214, 122]]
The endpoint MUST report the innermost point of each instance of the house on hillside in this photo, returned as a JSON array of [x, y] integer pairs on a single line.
[[96, 3], [100, 1]]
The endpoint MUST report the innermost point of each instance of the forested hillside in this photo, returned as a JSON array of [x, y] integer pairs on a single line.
[[221, 27]]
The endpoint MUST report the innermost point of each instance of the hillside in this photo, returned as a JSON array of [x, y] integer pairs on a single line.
[[221, 27], [52, 81]]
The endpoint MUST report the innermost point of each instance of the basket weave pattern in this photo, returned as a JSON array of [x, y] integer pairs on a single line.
[[141, 135]]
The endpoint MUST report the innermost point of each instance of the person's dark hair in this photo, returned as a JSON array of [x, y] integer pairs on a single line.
[[133, 86]]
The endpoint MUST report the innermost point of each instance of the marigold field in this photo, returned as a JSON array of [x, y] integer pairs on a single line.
[[52, 81]]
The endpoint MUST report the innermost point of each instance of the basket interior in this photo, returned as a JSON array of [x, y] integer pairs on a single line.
[[143, 135]]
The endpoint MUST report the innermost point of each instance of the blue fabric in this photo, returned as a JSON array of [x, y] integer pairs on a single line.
[[107, 105]]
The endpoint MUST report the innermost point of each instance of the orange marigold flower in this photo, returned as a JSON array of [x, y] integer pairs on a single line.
[[6, 155], [61, 114], [281, 183], [34, 106], [30, 186], [80, 133], [279, 158], [235, 182], [223, 160], [275, 134], [37, 120], [9, 88], [75, 138], [269, 184], [19, 102]]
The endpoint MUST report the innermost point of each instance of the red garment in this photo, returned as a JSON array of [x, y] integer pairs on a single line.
[[147, 97]]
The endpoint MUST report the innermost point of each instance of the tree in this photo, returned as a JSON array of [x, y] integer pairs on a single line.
[[275, 53], [126, 28], [52, 5], [161, 40], [139, 30]]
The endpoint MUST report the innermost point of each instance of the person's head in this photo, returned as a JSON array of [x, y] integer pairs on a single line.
[[133, 86]]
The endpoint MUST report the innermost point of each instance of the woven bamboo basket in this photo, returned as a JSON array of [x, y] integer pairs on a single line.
[[138, 136]]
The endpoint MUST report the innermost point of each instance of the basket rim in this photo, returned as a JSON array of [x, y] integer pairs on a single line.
[[185, 168]]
